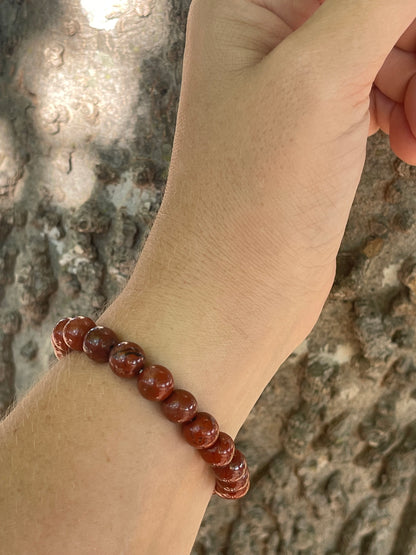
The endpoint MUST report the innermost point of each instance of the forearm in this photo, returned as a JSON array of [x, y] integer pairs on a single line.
[[87, 464]]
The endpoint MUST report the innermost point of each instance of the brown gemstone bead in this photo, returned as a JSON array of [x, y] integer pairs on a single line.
[[155, 383], [75, 330], [235, 485], [58, 343], [237, 494], [180, 406], [233, 470], [98, 343], [59, 353], [221, 452], [126, 359], [202, 431]]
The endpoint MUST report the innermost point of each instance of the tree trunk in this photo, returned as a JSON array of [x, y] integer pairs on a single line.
[[87, 114]]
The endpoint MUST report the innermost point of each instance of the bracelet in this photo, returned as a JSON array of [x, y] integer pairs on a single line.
[[155, 383]]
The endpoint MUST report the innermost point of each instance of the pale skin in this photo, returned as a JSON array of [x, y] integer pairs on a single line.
[[277, 101]]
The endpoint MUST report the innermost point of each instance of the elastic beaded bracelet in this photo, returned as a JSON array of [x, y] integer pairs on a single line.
[[155, 383]]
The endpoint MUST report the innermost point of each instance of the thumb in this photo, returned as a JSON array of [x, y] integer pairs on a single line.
[[350, 39]]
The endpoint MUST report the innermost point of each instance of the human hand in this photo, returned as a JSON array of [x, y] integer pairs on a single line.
[[393, 97], [277, 101]]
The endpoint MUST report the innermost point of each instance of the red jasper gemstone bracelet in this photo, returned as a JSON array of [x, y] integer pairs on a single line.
[[155, 382]]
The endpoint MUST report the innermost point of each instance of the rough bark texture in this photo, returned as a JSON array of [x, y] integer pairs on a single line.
[[87, 115]]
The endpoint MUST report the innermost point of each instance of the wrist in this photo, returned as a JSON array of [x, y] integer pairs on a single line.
[[201, 325]]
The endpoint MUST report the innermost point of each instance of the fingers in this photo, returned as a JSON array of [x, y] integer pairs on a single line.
[[393, 98], [382, 107], [408, 40], [396, 120], [396, 73], [392, 119], [402, 140], [410, 104], [373, 126]]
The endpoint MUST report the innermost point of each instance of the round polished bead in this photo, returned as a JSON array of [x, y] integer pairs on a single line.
[[202, 431], [235, 485], [126, 359], [233, 470], [180, 406], [75, 330], [57, 339], [98, 343], [221, 452], [155, 383], [237, 494], [59, 353]]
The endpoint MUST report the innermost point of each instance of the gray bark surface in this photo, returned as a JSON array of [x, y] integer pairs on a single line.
[[87, 117]]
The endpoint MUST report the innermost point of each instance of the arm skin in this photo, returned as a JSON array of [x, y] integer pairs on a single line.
[[87, 464]]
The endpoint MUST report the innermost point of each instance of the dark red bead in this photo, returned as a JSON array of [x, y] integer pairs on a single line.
[[75, 330], [180, 406], [155, 383], [236, 484], [233, 470], [221, 452], [58, 343], [59, 353], [126, 359], [98, 343], [202, 431], [236, 494]]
